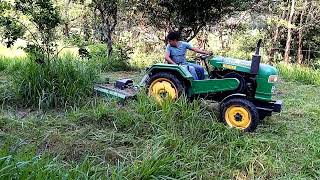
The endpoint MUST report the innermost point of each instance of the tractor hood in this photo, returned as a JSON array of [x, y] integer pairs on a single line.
[[241, 65]]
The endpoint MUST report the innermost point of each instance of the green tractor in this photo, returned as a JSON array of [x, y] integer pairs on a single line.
[[242, 88]]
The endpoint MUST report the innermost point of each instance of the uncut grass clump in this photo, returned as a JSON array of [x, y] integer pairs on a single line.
[[58, 83]]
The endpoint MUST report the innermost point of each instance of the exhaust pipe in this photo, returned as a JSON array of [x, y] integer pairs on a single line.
[[256, 58]]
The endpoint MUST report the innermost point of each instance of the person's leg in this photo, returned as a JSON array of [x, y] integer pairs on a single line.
[[192, 70], [199, 70]]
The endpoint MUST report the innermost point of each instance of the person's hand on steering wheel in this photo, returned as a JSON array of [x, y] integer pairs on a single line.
[[210, 53]]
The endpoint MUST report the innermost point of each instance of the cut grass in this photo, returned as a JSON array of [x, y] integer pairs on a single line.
[[143, 141]]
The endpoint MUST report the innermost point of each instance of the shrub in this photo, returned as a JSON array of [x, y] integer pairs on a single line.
[[143, 55], [117, 62], [58, 83]]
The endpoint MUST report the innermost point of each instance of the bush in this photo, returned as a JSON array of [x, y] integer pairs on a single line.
[[145, 55], [117, 62], [59, 83], [299, 73], [316, 64]]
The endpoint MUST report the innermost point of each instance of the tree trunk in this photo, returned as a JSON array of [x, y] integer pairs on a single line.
[[109, 43], [221, 37], [287, 50], [108, 12], [300, 44], [86, 28], [275, 38], [66, 29]]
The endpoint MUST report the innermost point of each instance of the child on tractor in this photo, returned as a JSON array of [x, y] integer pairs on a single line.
[[176, 54]]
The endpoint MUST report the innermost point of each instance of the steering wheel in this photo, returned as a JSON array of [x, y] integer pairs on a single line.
[[204, 58]]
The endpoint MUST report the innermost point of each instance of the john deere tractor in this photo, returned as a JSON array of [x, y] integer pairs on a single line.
[[242, 88]]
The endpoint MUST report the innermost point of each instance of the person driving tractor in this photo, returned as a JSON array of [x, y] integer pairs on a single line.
[[176, 54]]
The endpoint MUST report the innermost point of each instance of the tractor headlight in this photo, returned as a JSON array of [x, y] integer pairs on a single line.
[[273, 78]]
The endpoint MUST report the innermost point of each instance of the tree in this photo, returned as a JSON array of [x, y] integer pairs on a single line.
[[190, 16], [300, 38], [11, 30], [66, 28], [42, 15], [303, 29], [309, 31], [107, 11], [277, 22], [289, 37]]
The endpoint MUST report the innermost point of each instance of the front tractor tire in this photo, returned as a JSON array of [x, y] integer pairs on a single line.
[[164, 85], [239, 113]]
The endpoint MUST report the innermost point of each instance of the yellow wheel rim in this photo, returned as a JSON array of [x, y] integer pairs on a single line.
[[163, 88], [238, 117]]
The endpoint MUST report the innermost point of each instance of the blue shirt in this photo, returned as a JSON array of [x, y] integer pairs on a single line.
[[178, 54]]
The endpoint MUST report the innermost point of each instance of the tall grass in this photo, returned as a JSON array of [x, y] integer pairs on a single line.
[[3, 64], [59, 83], [299, 73], [9, 64]]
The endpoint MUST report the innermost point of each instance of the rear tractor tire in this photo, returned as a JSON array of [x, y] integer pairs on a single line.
[[242, 81], [239, 113], [164, 85]]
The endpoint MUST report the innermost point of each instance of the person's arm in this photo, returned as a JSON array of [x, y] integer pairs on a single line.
[[168, 59], [201, 51], [167, 55]]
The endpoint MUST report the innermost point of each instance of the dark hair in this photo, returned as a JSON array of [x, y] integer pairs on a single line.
[[173, 35]]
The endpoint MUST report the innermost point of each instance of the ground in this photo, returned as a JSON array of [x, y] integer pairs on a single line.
[[141, 140]]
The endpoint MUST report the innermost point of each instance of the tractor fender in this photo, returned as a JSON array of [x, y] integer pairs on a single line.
[[144, 80], [173, 68], [237, 95], [182, 73]]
